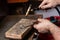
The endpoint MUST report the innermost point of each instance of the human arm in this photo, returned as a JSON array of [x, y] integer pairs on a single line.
[[55, 31], [49, 3]]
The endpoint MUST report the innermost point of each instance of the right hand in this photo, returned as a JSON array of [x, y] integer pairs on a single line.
[[49, 3], [43, 26]]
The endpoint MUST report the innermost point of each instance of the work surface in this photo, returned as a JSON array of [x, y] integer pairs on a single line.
[[8, 22]]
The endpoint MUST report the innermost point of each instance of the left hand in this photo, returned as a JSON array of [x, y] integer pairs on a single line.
[[43, 26]]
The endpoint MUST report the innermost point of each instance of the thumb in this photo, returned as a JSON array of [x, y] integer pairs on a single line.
[[46, 6], [43, 3], [40, 20]]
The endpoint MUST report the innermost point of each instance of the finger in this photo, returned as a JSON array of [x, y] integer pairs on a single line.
[[40, 20], [43, 3], [35, 26], [46, 6]]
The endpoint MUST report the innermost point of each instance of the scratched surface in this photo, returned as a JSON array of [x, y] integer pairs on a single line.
[[20, 29], [7, 23]]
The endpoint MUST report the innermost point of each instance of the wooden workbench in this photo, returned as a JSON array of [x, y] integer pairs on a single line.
[[9, 21]]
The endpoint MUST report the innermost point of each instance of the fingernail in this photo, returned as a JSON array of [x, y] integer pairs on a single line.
[[40, 6], [34, 25], [38, 19]]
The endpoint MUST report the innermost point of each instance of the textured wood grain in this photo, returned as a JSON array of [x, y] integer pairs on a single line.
[[21, 28]]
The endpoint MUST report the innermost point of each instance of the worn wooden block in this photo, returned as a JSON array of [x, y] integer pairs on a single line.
[[21, 28]]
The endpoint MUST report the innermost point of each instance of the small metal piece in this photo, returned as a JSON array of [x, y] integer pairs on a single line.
[[35, 9], [35, 37]]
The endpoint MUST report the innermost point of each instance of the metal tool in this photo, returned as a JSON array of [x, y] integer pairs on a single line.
[[28, 10], [36, 35]]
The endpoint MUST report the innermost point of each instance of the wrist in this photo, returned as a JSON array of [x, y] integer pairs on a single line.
[[53, 27]]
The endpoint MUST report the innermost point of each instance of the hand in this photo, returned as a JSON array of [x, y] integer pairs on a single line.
[[43, 25], [49, 3]]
